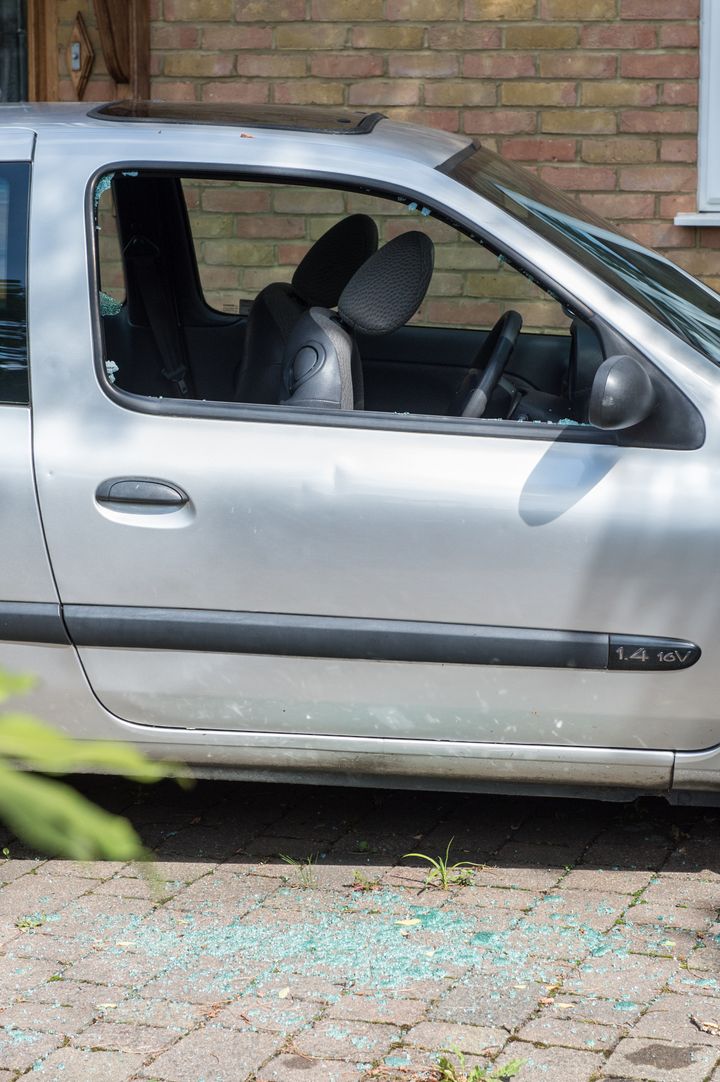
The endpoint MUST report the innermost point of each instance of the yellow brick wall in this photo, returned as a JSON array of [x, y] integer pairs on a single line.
[[598, 96], [247, 236]]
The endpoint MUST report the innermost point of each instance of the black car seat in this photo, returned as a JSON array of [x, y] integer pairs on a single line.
[[318, 282], [380, 297]]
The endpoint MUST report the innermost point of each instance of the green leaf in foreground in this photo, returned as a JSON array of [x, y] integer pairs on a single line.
[[54, 818], [37, 746]]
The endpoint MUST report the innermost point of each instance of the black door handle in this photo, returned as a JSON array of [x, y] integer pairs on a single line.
[[141, 491]]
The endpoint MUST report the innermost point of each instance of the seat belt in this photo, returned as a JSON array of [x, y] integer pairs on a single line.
[[162, 313]]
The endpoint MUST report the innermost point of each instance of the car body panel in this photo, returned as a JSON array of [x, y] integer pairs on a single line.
[[372, 516], [17, 145], [366, 520], [25, 573]]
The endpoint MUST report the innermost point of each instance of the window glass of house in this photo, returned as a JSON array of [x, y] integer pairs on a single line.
[[13, 51]]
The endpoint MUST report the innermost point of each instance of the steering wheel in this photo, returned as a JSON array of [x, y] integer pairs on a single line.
[[483, 376]]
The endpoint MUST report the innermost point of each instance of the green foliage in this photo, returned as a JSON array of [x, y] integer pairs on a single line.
[[35, 921], [49, 815], [457, 1071], [446, 874], [305, 870], [52, 817], [37, 746], [363, 882]]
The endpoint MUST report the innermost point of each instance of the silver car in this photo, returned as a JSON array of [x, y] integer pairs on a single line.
[[337, 449]]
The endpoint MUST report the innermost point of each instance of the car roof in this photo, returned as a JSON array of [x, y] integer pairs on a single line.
[[397, 138]]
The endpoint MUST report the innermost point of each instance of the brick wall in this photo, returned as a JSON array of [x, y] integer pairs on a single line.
[[247, 236], [599, 96]]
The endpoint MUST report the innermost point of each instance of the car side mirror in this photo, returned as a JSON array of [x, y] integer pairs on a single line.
[[622, 394]]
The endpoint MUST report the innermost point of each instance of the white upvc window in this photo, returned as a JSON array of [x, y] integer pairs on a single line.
[[708, 212]]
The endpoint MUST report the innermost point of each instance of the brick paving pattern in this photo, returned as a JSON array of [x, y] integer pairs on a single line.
[[585, 945]]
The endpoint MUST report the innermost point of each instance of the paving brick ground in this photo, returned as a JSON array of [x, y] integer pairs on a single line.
[[587, 945]]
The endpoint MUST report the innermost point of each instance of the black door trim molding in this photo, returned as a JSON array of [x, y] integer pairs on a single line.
[[339, 637], [348, 638], [32, 622]]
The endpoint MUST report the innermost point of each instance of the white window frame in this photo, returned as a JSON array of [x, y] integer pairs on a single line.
[[708, 198]]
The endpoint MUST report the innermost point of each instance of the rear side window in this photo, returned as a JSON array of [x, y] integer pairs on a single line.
[[14, 187]]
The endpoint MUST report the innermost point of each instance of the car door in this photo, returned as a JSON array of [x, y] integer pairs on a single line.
[[33, 639], [224, 568], [26, 586]]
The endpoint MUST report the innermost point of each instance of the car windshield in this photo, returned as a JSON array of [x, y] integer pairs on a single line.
[[667, 293]]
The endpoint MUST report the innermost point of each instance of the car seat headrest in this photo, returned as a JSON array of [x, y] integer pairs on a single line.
[[390, 286], [326, 269]]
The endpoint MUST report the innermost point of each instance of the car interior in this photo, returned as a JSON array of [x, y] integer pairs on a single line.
[[361, 311]]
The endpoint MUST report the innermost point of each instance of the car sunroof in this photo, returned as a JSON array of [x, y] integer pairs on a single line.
[[292, 118]]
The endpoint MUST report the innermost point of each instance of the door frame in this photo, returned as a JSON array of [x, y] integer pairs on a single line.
[[43, 53]]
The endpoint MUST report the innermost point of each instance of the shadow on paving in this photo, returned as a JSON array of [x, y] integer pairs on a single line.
[[580, 939], [250, 822]]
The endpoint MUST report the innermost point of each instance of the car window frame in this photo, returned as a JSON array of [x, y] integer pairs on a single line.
[[358, 419]]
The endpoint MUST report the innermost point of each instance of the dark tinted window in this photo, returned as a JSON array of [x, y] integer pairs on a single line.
[[13, 50], [14, 186]]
